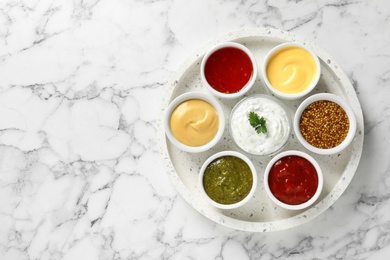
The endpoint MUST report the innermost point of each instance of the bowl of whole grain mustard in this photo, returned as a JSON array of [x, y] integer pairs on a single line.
[[228, 179], [324, 123]]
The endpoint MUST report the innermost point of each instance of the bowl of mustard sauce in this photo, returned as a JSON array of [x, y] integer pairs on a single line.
[[291, 70], [194, 122], [228, 179]]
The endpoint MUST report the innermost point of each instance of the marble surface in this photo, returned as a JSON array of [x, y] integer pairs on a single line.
[[80, 88]]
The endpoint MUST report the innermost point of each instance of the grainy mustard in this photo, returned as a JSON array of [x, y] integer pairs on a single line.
[[324, 124]]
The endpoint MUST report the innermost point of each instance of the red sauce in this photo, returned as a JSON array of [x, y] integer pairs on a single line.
[[293, 180], [228, 70]]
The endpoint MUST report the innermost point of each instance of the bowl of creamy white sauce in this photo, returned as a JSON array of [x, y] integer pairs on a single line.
[[260, 125]]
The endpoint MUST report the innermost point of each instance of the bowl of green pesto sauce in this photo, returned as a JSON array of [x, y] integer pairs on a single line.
[[228, 179]]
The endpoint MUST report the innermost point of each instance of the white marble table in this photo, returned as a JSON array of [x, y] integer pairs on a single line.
[[80, 88]]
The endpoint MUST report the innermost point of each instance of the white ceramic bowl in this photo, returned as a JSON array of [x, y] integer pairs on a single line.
[[319, 175], [283, 95], [344, 105], [187, 96], [246, 87], [219, 155], [278, 122]]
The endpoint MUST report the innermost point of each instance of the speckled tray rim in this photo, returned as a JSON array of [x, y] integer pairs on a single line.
[[269, 226]]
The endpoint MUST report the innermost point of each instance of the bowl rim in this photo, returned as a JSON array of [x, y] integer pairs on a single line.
[[247, 86], [187, 96], [286, 95], [221, 154], [320, 186], [277, 101], [344, 105]]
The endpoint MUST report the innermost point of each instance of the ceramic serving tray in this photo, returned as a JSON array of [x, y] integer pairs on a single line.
[[260, 214]]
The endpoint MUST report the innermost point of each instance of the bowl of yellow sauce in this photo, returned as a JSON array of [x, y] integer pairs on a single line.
[[194, 122], [228, 179], [291, 70]]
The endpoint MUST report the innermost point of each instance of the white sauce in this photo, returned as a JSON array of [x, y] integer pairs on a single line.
[[246, 137]]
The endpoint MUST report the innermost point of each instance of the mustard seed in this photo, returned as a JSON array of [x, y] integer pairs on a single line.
[[324, 124]]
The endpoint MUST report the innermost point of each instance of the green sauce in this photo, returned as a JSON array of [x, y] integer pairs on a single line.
[[227, 180]]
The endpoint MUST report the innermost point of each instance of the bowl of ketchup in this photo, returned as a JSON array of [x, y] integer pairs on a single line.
[[293, 180], [228, 70]]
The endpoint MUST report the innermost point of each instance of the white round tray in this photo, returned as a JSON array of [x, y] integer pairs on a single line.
[[260, 214]]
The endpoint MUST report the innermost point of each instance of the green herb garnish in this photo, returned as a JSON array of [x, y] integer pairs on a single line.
[[258, 123]]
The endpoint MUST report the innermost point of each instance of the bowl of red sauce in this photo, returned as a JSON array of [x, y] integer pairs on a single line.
[[228, 70], [293, 180]]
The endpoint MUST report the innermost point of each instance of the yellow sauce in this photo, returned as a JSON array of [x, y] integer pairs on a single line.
[[291, 70], [194, 122]]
